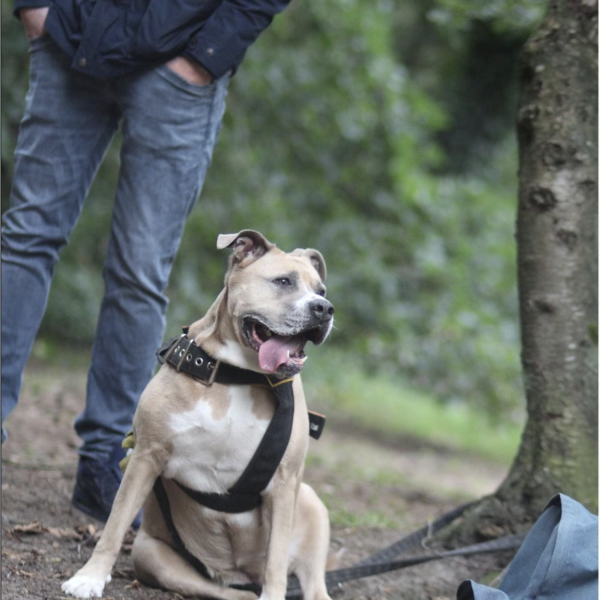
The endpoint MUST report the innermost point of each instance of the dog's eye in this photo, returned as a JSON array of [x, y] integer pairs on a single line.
[[321, 292], [283, 281]]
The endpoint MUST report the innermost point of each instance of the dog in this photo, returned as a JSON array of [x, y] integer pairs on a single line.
[[202, 435]]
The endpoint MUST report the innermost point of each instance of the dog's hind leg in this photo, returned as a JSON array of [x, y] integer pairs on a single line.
[[157, 564], [310, 544]]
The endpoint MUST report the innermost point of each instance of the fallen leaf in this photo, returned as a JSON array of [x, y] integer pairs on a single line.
[[12, 555], [64, 533], [88, 530], [134, 585], [34, 527], [492, 532], [21, 572]]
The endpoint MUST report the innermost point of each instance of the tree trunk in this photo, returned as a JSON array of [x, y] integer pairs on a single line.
[[557, 271], [557, 261]]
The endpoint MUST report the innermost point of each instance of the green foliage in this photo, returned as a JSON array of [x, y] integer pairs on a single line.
[[341, 387], [14, 88], [512, 16], [339, 136]]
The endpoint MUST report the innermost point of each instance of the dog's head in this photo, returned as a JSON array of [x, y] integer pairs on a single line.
[[275, 300]]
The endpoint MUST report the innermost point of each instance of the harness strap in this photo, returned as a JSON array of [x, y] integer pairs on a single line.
[[165, 509], [245, 494], [229, 503], [262, 466]]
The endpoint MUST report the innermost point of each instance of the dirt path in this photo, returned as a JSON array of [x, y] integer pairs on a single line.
[[376, 494]]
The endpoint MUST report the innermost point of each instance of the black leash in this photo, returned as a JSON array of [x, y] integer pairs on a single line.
[[332, 578], [415, 538], [381, 561]]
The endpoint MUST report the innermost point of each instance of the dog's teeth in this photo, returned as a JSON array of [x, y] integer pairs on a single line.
[[288, 355]]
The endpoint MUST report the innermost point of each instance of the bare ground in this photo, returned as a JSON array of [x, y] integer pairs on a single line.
[[376, 492]]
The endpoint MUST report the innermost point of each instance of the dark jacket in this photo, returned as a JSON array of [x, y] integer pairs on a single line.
[[110, 38]]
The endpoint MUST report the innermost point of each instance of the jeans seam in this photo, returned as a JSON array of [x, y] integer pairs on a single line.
[[207, 134]]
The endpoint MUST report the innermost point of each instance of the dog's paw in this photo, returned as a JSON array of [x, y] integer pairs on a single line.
[[85, 586]]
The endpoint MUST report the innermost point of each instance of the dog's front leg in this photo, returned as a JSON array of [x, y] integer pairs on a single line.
[[279, 507], [137, 482]]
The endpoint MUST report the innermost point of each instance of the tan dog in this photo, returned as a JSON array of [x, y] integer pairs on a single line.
[[204, 436]]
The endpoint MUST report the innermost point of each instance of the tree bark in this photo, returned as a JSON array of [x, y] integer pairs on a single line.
[[557, 261], [557, 274]]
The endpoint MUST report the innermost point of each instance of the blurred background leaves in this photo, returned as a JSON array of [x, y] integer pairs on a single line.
[[381, 133]]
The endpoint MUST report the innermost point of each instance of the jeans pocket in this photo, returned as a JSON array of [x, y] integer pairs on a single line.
[[40, 42], [178, 81]]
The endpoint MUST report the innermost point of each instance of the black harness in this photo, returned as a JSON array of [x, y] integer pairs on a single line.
[[185, 356]]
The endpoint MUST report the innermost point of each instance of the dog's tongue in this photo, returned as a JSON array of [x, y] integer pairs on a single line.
[[274, 352]]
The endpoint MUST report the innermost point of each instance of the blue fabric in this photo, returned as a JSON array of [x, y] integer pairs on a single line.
[[557, 561], [111, 39], [169, 130]]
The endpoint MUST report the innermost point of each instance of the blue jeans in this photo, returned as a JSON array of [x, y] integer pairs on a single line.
[[170, 127]]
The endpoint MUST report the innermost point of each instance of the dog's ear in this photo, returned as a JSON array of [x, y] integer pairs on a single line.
[[316, 259], [247, 245]]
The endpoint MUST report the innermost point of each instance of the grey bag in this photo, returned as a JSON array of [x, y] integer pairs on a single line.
[[557, 561]]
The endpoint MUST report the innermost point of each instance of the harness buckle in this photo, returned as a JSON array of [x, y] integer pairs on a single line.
[[274, 385], [212, 366]]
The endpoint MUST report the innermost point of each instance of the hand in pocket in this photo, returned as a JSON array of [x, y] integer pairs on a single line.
[[33, 20], [191, 71]]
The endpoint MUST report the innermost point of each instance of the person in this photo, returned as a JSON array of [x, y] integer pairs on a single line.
[[160, 70]]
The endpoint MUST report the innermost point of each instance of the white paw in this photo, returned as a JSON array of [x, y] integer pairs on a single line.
[[85, 586]]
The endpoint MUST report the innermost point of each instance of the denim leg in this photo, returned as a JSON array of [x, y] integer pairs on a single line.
[[66, 128], [169, 130]]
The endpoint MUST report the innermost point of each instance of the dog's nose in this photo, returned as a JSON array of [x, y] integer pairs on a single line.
[[322, 309]]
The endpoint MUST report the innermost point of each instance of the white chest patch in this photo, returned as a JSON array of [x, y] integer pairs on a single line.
[[210, 454]]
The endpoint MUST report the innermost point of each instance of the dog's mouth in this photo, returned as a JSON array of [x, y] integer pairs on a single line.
[[281, 352]]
